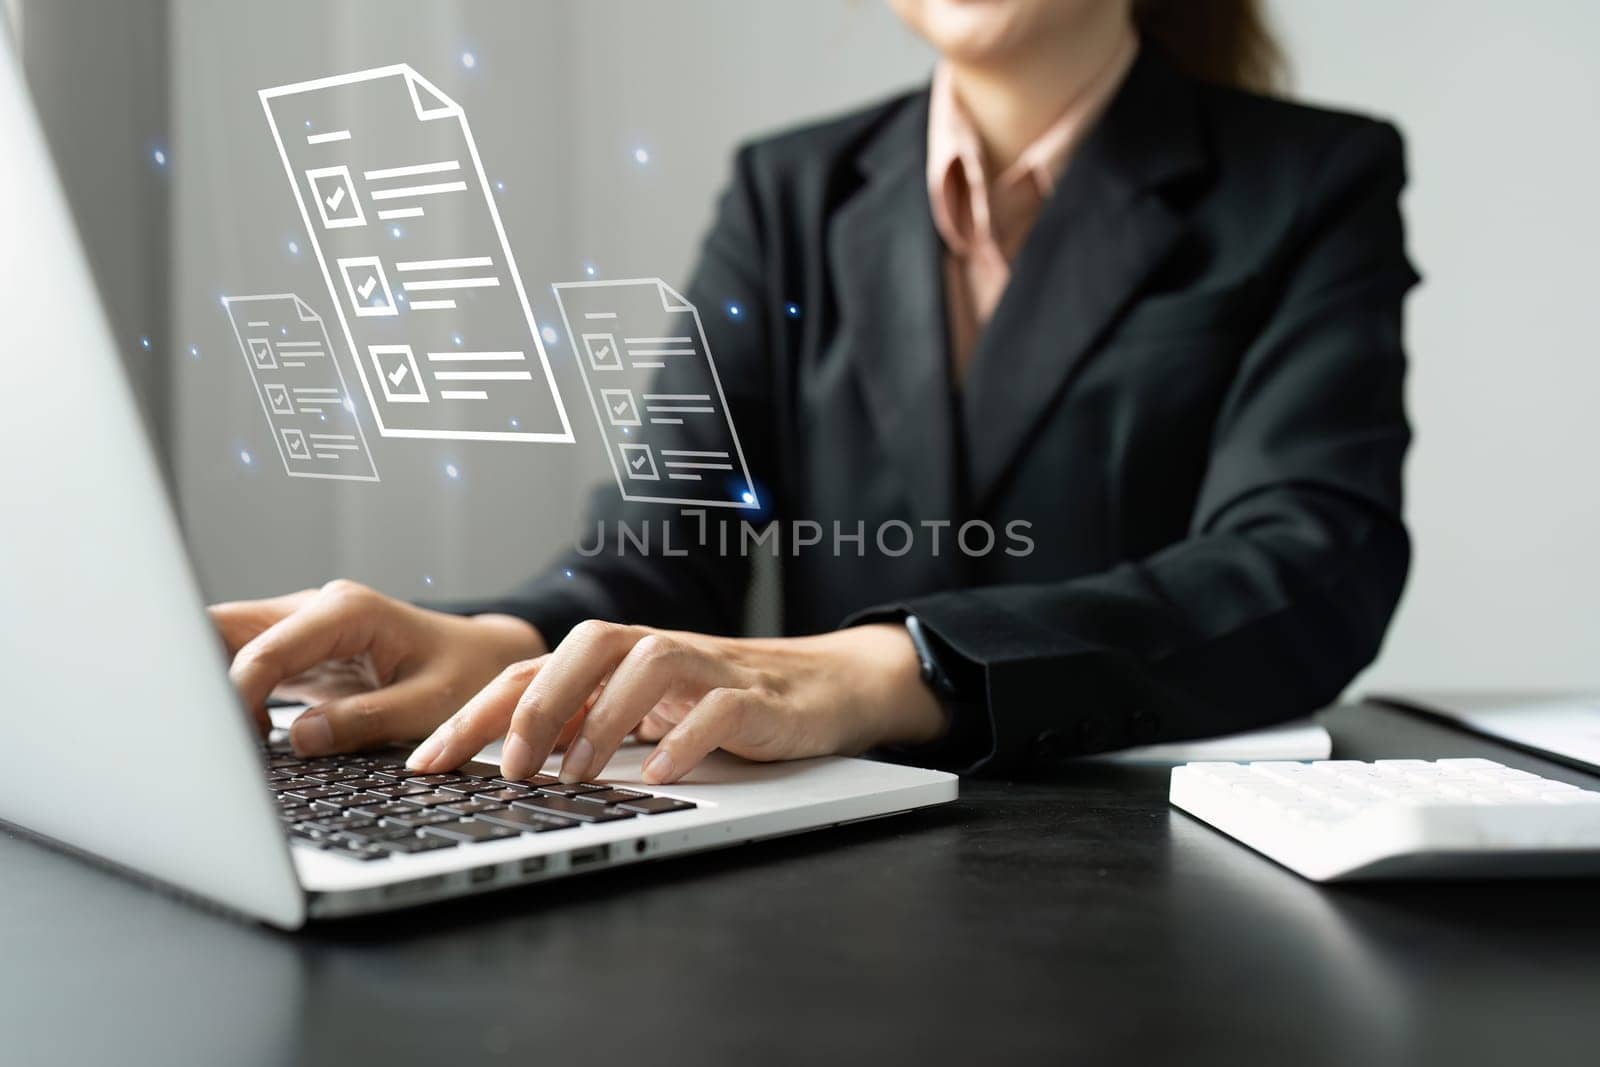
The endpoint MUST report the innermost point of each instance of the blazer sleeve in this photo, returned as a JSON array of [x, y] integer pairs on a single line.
[[677, 583], [1296, 554]]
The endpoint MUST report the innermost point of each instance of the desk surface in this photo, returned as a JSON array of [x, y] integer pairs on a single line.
[[1078, 918]]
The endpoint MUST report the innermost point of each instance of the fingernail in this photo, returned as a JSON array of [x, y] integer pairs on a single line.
[[425, 753], [516, 760], [311, 735], [658, 768], [576, 765]]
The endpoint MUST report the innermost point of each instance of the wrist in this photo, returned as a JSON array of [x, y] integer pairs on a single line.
[[906, 710]]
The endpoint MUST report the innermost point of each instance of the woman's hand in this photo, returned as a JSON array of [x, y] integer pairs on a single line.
[[374, 669], [764, 699]]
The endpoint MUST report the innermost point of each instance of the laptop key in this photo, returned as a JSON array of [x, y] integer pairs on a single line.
[[416, 820], [318, 792], [529, 822], [397, 791], [436, 780], [534, 780], [655, 805], [467, 788], [506, 793], [388, 810], [615, 796], [470, 831], [563, 789], [571, 809], [409, 845], [474, 806], [432, 800]]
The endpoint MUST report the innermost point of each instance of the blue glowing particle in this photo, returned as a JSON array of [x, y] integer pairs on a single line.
[[159, 156], [284, 330], [308, 124], [748, 497], [457, 340], [394, 231], [349, 405], [641, 156], [550, 335], [588, 268], [400, 298], [792, 310], [499, 187], [144, 343], [194, 351], [515, 424], [625, 430], [427, 579], [451, 471], [244, 457], [294, 248], [567, 573], [469, 60], [735, 311]]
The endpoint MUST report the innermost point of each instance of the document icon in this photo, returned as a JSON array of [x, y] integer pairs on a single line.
[[309, 411], [655, 393], [394, 198]]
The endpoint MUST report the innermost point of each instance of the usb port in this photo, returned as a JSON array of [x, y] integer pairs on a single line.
[[593, 854], [481, 875]]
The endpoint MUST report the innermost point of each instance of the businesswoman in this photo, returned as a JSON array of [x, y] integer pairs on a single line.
[[1088, 288]]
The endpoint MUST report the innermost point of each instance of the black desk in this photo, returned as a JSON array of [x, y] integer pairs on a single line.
[[1078, 920]]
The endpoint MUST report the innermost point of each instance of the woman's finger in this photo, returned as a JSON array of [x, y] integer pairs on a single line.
[[480, 720], [362, 720], [658, 664], [718, 718], [238, 621], [337, 623], [575, 669]]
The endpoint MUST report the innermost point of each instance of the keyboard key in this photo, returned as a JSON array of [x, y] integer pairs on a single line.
[[397, 791], [408, 845], [529, 822], [563, 789], [472, 807], [436, 780], [506, 793], [386, 810], [417, 819], [432, 800], [365, 782], [286, 784], [332, 777], [535, 780], [656, 805], [614, 796], [571, 809], [470, 831], [468, 788], [318, 792], [342, 803]]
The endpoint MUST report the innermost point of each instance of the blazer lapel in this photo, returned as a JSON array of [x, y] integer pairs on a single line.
[[888, 264], [1098, 238]]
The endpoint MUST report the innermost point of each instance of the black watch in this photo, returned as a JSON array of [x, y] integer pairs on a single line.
[[934, 676]]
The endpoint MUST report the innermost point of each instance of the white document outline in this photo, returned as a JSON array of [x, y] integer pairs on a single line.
[[306, 315], [649, 454], [671, 300], [448, 108]]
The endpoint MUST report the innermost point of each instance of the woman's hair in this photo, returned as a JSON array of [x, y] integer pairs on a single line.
[[1227, 42]]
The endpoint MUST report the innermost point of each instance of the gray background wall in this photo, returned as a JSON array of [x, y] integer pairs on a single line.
[[1499, 104]]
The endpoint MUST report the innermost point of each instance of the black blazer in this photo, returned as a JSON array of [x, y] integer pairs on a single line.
[[1191, 389]]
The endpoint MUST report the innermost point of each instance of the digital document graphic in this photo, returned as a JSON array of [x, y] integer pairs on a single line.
[[655, 393], [302, 390], [394, 198]]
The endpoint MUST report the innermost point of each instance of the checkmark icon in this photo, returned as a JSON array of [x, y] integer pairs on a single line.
[[619, 407], [366, 287], [335, 200], [638, 462], [603, 353], [398, 375]]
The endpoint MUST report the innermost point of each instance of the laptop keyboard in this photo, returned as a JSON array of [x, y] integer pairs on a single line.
[[370, 807]]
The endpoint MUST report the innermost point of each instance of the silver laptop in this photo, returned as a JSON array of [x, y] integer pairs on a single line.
[[123, 739]]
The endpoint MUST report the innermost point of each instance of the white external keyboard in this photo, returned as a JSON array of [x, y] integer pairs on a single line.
[[1335, 820]]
